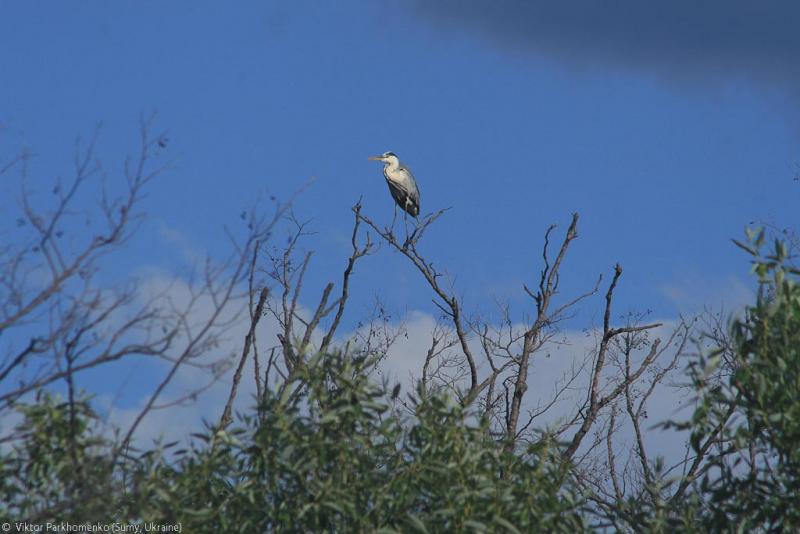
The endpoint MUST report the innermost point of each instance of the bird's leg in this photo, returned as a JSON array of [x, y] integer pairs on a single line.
[[405, 225], [414, 233], [394, 217]]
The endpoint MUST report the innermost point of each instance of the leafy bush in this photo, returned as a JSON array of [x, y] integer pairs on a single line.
[[59, 464], [326, 453], [754, 472]]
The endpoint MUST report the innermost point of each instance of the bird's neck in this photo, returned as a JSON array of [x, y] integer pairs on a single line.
[[392, 166]]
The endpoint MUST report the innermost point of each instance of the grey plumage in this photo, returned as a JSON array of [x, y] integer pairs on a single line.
[[401, 182]]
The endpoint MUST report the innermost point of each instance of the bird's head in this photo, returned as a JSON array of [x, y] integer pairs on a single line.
[[388, 158]]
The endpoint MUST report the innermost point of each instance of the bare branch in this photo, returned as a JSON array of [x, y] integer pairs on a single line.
[[357, 253], [226, 418], [612, 470], [595, 403], [451, 303], [548, 286]]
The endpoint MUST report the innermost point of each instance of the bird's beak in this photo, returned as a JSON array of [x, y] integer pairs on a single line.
[[375, 158]]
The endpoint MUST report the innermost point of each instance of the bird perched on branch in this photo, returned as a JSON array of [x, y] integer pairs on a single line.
[[402, 184]]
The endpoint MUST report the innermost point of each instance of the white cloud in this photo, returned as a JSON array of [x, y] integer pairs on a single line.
[[181, 242], [568, 355], [693, 292], [200, 374], [403, 363]]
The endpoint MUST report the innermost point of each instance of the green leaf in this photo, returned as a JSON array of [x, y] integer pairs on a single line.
[[475, 525], [416, 523], [506, 525], [744, 247]]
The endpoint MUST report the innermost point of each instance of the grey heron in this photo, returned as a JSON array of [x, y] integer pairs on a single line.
[[402, 184]]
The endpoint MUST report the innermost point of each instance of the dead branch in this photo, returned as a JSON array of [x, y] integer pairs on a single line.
[[548, 287], [595, 402], [357, 253], [249, 339], [295, 341], [451, 306]]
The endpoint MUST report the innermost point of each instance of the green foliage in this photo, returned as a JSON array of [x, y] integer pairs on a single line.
[[61, 469], [754, 474], [331, 450], [327, 453]]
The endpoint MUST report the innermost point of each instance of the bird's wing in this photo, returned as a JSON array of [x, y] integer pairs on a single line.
[[408, 201], [399, 194], [409, 183], [413, 191]]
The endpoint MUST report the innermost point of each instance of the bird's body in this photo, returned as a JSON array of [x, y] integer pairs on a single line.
[[401, 182]]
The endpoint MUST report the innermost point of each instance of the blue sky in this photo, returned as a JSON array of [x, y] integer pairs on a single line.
[[667, 143]]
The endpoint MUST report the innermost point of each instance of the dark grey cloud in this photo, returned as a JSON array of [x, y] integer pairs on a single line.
[[756, 40]]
